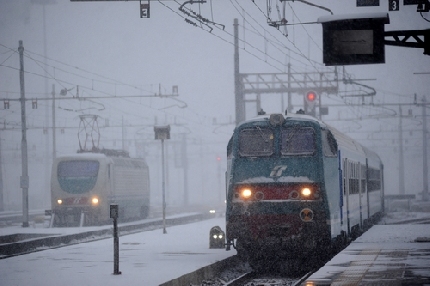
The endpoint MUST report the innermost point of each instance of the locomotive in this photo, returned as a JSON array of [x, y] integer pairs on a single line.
[[297, 187], [84, 185]]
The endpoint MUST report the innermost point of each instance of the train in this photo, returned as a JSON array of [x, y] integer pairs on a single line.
[[297, 187], [85, 184]]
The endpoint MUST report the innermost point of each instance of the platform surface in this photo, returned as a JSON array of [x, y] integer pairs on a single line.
[[146, 258], [396, 254]]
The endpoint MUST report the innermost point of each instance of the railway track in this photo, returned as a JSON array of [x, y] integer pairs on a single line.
[[254, 279], [14, 218]]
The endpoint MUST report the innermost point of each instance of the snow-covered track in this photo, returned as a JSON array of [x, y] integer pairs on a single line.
[[18, 244]]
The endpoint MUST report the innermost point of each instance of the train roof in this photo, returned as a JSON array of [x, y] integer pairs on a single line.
[[90, 155], [82, 155], [294, 116], [343, 140]]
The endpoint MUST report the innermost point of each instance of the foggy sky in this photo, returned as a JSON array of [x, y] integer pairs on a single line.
[[106, 49]]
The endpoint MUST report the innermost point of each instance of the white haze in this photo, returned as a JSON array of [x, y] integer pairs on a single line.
[[106, 49]]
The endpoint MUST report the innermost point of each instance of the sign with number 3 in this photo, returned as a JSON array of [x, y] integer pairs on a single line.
[[393, 5]]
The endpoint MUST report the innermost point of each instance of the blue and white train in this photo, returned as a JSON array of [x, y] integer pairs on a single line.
[[296, 187]]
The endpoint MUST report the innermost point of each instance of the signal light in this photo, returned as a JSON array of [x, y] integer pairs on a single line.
[[311, 96]]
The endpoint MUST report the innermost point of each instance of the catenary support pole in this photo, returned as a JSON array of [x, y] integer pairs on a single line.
[[163, 185], [425, 146], [239, 100], [401, 159], [24, 181]]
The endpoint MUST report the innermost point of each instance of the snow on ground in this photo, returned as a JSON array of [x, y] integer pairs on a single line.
[[151, 257], [387, 253], [145, 258]]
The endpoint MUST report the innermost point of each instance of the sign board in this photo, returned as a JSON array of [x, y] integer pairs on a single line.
[[413, 2], [113, 211], [361, 3], [354, 39], [144, 9], [162, 132], [393, 5]]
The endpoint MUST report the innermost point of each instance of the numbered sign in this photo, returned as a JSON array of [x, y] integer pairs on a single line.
[[393, 5], [144, 9]]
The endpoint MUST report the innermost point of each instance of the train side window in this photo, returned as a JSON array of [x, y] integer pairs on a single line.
[[298, 141], [329, 144], [256, 142], [230, 148]]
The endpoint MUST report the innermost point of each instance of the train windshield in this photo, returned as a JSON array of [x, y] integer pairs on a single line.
[[256, 142], [77, 176], [298, 141]]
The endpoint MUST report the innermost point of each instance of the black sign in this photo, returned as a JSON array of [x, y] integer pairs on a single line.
[[413, 2], [354, 40], [393, 5], [113, 211], [144, 10], [362, 3]]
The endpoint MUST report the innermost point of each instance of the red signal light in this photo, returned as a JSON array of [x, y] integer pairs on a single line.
[[311, 96]]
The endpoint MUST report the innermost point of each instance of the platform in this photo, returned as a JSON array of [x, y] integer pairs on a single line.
[[145, 258], [396, 254]]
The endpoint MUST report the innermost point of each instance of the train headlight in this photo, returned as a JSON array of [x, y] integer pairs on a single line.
[[59, 201], [306, 192], [95, 201], [246, 193]]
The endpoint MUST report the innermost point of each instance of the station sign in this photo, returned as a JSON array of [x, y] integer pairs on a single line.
[[354, 39], [144, 9], [361, 3]]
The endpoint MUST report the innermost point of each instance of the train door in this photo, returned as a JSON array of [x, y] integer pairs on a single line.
[[353, 200], [364, 205], [366, 221], [361, 192], [346, 192]]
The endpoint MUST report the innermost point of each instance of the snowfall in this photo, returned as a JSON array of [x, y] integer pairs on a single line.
[[153, 257]]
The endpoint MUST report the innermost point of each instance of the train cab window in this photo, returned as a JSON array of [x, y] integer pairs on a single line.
[[256, 142], [77, 176], [329, 144], [298, 141]]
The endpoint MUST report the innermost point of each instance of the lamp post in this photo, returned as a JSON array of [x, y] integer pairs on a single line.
[[162, 133]]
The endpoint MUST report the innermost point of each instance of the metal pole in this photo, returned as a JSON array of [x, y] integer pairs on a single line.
[[401, 160], [115, 248], [24, 182], [46, 138], [1, 181], [290, 104], [425, 166], [185, 166], [239, 101], [163, 186], [54, 149]]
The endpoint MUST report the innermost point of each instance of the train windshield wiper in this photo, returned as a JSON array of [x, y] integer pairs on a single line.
[[262, 134]]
